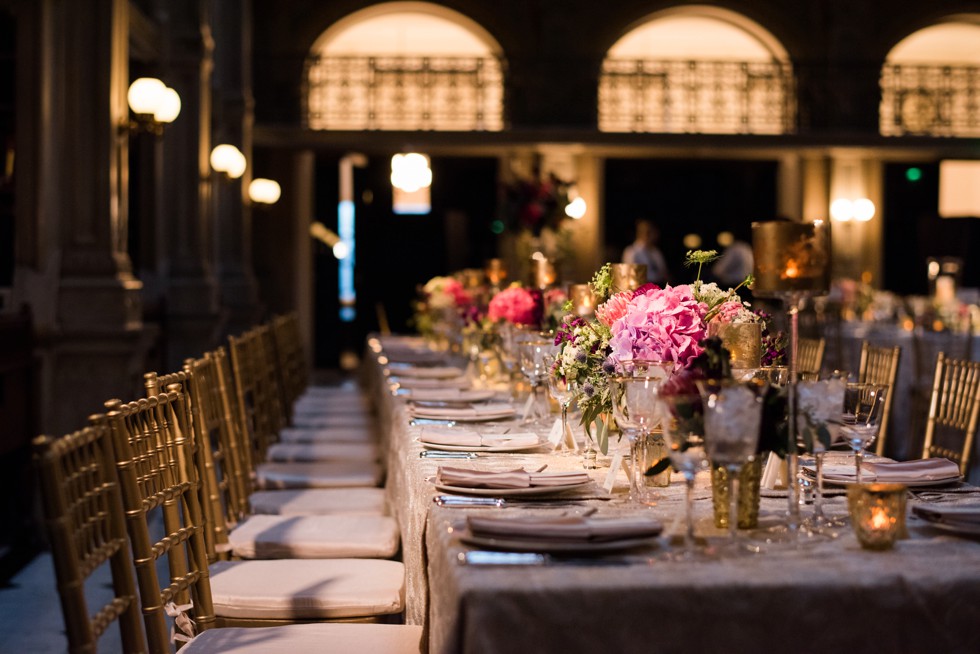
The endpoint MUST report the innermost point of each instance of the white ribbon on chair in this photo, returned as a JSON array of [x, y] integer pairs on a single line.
[[181, 621]]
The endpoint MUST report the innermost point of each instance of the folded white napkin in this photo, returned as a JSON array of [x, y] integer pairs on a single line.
[[472, 438], [902, 472], [571, 529], [413, 383], [433, 372], [449, 395], [519, 478], [472, 412]]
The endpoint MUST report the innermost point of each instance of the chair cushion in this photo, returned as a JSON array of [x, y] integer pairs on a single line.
[[310, 639], [291, 589], [330, 474], [339, 434], [320, 501], [308, 452], [315, 537]]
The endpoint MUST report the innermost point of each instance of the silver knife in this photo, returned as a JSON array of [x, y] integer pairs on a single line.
[[487, 558], [436, 454], [450, 501]]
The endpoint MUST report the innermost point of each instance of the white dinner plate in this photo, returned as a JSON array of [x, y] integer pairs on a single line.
[[961, 528], [548, 547], [510, 492], [420, 412], [464, 396], [479, 448]]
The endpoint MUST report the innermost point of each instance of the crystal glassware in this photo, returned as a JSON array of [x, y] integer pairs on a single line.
[[732, 420], [863, 407], [564, 391], [819, 403], [635, 410], [536, 356], [682, 419]]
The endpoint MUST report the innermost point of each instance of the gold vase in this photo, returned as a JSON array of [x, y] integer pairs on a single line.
[[749, 481]]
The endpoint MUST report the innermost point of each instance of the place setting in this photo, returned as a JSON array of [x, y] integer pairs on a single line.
[[508, 483], [472, 412], [440, 397], [447, 439]]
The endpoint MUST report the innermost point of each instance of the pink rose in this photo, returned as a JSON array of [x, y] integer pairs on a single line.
[[515, 305]]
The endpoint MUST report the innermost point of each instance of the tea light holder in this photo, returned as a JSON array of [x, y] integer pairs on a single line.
[[543, 274], [743, 340], [496, 272], [582, 299], [877, 514], [627, 276]]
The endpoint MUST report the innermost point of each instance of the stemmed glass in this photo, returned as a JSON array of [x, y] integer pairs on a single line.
[[863, 407], [683, 424], [732, 420], [536, 357], [564, 391], [819, 404], [634, 403]]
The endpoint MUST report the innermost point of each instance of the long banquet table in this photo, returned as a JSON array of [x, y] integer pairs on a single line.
[[825, 595]]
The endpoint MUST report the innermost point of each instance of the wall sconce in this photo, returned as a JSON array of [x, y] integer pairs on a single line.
[[411, 178], [340, 248], [264, 191], [153, 103], [576, 208], [844, 210], [229, 160]]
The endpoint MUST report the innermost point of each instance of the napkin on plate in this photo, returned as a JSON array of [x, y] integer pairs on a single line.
[[472, 438], [519, 478], [949, 514], [433, 372], [413, 382], [903, 472], [475, 411], [448, 395], [565, 529]]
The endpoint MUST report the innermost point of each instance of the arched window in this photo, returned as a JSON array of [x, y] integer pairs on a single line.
[[697, 69], [405, 66], [930, 83]]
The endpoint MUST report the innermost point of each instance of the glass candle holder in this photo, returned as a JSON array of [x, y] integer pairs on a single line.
[[877, 514], [743, 340], [628, 276], [496, 272], [543, 272], [582, 299], [791, 257]]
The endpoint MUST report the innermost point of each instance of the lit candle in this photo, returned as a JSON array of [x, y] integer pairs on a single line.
[[583, 300], [791, 256], [877, 514], [543, 272], [628, 276], [496, 272]]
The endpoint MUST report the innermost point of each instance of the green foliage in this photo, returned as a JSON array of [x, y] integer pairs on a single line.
[[601, 283]]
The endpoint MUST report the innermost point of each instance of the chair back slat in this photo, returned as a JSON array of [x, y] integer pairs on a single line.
[[809, 355], [153, 441], [85, 525], [954, 410], [879, 365]]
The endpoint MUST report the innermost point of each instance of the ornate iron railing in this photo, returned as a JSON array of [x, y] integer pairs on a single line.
[[930, 100], [712, 97], [405, 93]]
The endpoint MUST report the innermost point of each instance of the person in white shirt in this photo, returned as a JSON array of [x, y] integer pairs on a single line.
[[644, 250], [734, 265]]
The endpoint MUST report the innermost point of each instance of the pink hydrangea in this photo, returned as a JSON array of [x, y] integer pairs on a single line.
[[515, 305], [660, 324], [727, 312]]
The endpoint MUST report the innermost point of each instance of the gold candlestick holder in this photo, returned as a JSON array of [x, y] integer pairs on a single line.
[[628, 276], [582, 299]]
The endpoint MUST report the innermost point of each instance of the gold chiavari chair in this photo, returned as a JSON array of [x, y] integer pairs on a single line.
[[809, 355], [154, 451], [292, 367], [83, 516], [263, 536], [361, 500], [257, 408], [954, 411], [879, 365]]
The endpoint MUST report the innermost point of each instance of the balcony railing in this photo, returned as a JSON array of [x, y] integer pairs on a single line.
[[711, 97], [405, 93], [930, 100]]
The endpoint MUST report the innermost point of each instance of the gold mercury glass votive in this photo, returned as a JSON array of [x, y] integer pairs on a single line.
[[743, 340], [582, 299], [791, 257], [496, 272], [543, 273], [627, 276], [877, 514]]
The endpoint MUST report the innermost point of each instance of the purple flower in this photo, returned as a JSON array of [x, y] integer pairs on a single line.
[[609, 366], [588, 389], [581, 357]]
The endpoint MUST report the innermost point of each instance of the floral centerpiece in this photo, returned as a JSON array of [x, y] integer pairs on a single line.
[[653, 323], [516, 305], [442, 301]]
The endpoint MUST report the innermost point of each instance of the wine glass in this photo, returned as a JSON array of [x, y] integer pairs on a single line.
[[682, 417], [819, 403], [635, 410], [732, 420], [536, 357], [564, 391], [863, 407]]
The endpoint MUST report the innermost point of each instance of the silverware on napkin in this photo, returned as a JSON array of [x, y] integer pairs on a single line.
[[487, 558], [438, 454]]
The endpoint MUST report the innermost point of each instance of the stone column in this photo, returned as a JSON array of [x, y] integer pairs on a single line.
[[192, 315], [233, 119], [95, 348]]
